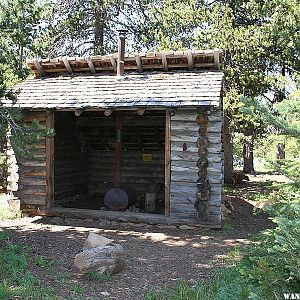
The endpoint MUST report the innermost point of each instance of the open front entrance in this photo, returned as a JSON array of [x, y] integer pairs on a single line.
[[88, 150]]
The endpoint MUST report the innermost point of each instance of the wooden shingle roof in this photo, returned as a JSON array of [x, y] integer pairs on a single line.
[[157, 89]]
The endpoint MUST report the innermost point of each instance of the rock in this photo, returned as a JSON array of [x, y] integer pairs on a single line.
[[95, 240], [114, 223], [139, 225], [225, 212], [104, 222], [73, 221], [161, 226], [108, 259], [89, 220], [130, 224], [186, 227], [57, 220]]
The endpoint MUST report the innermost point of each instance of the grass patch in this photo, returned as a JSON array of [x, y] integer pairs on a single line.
[[64, 277], [225, 284], [16, 280], [77, 288], [104, 277], [43, 262]]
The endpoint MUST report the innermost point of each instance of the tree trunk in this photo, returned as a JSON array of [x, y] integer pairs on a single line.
[[228, 151], [99, 30], [280, 151], [248, 156]]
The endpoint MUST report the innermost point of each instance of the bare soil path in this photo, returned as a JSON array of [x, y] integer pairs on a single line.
[[157, 256]]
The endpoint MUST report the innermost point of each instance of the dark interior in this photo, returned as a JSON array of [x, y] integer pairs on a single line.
[[84, 161]]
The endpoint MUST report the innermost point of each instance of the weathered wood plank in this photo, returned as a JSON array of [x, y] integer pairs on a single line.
[[33, 199], [182, 197], [178, 126], [188, 136], [31, 181], [167, 163], [50, 161]]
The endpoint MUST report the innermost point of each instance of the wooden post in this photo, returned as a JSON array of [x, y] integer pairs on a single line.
[[49, 161], [118, 150], [167, 163]]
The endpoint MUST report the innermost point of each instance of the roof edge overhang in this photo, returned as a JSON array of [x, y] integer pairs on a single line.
[[136, 62]]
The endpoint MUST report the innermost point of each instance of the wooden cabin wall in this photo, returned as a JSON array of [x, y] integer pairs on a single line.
[[70, 161], [140, 135], [27, 178], [184, 170], [98, 132]]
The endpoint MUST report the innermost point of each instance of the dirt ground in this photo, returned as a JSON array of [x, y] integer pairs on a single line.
[[157, 256]]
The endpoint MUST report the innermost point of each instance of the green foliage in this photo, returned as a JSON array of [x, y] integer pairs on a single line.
[[96, 276], [64, 277], [6, 213], [9, 214], [273, 264], [90, 27], [77, 288], [17, 281], [4, 235], [225, 285], [42, 262], [20, 22]]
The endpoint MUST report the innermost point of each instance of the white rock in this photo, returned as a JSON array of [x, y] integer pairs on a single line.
[[108, 259], [95, 240]]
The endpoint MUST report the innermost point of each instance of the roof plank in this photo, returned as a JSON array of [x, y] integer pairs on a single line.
[[152, 89]]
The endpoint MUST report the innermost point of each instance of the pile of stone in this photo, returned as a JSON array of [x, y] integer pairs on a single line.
[[100, 255]]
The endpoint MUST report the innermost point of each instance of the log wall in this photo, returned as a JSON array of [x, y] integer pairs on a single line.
[[84, 164], [184, 169], [27, 178]]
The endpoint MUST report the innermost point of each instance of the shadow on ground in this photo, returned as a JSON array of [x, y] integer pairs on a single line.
[[156, 256]]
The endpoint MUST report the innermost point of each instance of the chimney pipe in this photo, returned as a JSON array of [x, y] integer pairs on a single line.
[[121, 52]]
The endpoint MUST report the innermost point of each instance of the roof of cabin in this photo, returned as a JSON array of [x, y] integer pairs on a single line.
[[177, 79]]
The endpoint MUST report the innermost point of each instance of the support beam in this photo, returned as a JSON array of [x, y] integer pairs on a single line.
[[49, 160], [172, 112], [108, 112], [67, 65], [39, 68], [164, 61], [118, 150], [217, 58], [190, 60], [78, 112], [140, 111], [167, 163], [91, 65]]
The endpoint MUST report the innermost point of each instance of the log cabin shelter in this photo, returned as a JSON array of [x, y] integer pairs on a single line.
[[144, 146]]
